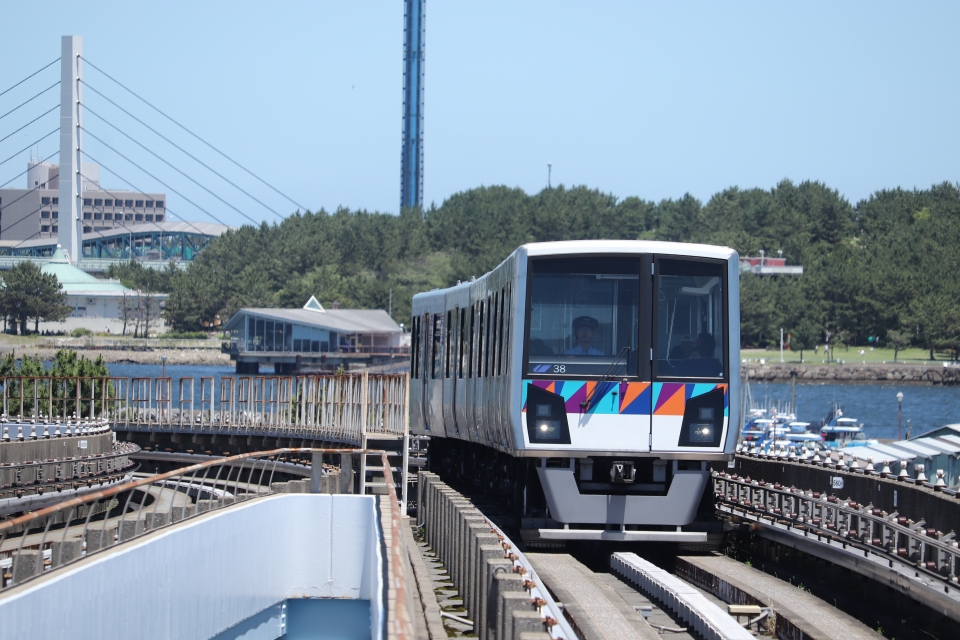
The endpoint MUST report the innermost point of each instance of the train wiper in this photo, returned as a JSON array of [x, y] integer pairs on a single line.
[[607, 377]]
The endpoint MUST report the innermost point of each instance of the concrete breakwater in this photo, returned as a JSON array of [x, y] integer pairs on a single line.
[[201, 357], [920, 374]]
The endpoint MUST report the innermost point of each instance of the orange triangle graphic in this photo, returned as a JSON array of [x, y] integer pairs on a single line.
[[673, 406], [551, 387], [634, 389]]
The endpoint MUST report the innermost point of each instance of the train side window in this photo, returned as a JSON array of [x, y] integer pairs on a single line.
[[473, 333], [448, 345], [504, 327], [460, 342], [480, 342], [414, 347], [491, 324], [437, 355]]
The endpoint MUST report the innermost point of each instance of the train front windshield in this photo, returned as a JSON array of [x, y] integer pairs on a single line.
[[584, 316]]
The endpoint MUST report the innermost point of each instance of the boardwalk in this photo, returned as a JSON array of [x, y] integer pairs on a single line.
[[337, 409]]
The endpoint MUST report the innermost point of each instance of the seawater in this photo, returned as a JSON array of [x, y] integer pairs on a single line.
[[873, 404]]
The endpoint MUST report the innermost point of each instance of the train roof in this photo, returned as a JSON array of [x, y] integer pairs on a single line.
[[599, 247]]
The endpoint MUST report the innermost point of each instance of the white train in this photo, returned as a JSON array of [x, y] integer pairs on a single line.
[[601, 373]]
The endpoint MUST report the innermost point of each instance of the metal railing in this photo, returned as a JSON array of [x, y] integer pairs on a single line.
[[235, 347], [870, 530], [343, 409]]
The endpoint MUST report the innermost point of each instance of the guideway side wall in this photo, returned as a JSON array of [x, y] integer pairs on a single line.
[[939, 510]]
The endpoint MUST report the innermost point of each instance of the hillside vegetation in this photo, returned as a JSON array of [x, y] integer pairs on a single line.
[[885, 267]]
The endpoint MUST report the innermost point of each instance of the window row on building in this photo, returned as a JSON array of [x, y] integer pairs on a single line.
[[125, 217]]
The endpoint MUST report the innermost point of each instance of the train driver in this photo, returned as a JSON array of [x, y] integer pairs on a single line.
[[584, 328]]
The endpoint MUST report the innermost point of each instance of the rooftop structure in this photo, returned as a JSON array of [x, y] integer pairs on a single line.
[[312, 333], [764, 266]]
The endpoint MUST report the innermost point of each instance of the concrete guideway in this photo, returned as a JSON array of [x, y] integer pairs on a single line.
[[798, 613], [596, 609]]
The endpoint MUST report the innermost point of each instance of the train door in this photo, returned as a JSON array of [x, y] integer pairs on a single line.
[[588, 333], [690, 394]]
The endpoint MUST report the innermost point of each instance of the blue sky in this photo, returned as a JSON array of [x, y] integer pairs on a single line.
[[633, 98]]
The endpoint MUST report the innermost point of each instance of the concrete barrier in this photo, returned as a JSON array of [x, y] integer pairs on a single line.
[[480, 564]]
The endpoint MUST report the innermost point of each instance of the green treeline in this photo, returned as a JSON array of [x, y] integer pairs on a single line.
[[886, 267]]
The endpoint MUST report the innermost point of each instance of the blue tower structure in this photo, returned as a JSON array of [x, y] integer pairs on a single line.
[[411, 161]]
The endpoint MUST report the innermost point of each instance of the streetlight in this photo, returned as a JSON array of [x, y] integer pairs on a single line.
[[899, 411]]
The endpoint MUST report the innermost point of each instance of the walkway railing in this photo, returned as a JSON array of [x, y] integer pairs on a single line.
[[342, 409]]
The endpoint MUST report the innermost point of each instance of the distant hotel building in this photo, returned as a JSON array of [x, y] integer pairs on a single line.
[[33, 213]]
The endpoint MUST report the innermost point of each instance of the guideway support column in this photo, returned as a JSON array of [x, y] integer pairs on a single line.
[[479, 564]]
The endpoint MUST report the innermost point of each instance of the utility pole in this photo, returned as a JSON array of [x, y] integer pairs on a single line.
[[70, 232], [549, 171], [390, 304]]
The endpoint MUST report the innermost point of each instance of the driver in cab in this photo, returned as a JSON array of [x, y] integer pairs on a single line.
[[584, 328]]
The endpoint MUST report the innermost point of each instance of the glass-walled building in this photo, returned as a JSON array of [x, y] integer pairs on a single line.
[[314, 329]]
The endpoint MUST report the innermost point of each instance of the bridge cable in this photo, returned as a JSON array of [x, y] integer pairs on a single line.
[[31, 122], [87, 109], [195, 158], [167, 209], [30, 100], [57, 152], [28, 77], [195, 136], [24, 149], [161, 181], [137, 190]]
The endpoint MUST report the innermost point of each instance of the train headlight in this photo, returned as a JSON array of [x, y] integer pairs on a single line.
[[548, 429], [546, 417], [701, 432], [703, 420]]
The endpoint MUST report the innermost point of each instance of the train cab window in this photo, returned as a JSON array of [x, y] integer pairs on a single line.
[[583, 316], [690, 336]]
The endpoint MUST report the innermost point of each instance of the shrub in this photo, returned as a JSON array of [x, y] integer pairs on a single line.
[[81, 332]]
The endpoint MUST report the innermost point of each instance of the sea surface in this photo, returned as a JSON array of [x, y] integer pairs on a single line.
[[924, 408]]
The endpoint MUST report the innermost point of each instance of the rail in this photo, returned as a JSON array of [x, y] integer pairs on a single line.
[[871, 531], [342, 409]]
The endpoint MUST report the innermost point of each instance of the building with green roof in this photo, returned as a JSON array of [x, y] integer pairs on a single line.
[[92, 297]]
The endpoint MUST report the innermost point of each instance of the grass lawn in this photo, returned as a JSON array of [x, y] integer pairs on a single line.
[[849, 355]]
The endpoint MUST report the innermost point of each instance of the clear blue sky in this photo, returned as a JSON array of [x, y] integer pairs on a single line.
[[633, 98]]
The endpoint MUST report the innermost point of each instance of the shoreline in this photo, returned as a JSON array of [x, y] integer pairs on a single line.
[[912, 374], [196, 357]]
